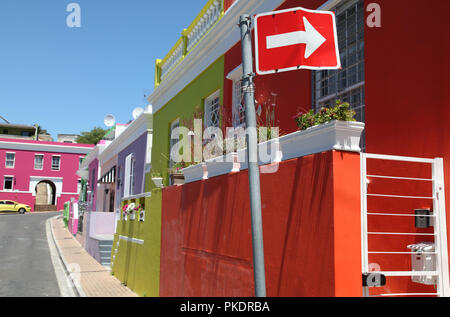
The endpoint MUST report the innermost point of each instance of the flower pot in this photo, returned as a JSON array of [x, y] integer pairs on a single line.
[[158, 181], [142, 215], [334, 135], [176, 178], [195, 173], [132, 215]]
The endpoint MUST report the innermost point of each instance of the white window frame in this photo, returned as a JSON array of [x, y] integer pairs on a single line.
[[329, 86], [209, 111], [132, 175], [130, 165], [59, 165], [334, 78], [13, 160], [12, 183], [237, 106], [43, 158]]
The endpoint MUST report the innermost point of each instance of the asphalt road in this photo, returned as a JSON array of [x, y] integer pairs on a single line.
[[26, 269]]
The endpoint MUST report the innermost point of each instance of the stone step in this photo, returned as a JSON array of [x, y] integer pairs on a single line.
[[105, 248]]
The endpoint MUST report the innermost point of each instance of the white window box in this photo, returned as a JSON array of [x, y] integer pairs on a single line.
[[334, 135], [195, 172], [223, 164], [158, 181]]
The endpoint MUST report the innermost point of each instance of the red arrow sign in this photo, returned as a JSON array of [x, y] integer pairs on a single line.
[[294, 39]]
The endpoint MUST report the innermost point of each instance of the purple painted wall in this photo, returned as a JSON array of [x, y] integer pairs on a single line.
[[138, 148], [97, 223]]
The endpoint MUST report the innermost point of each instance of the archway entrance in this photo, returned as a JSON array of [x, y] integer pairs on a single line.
[[45, 196]]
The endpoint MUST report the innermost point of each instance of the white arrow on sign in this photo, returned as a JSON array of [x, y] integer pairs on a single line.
[[311, 37]]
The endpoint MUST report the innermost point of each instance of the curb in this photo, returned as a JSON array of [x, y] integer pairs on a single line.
[[69, 287]]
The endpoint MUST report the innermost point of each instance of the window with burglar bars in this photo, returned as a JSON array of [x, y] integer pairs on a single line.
[[346, 84], [56, 163], [39, 162], [212, 110], [238, 104]]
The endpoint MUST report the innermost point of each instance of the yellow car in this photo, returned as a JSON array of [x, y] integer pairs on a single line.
[[9, 205]]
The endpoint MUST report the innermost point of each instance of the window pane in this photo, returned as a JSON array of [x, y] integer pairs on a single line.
[[10, 158], [212, 111], [56, 162], [38, 162], [346, 84], [8, 183], [238, 106]]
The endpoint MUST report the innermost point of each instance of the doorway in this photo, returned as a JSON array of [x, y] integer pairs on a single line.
[[45, 196]]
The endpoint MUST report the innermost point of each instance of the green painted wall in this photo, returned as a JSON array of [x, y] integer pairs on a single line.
[[138, 265], [182, 106]]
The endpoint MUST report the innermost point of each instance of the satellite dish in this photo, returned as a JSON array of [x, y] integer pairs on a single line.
[[137, 112], [109, 120]]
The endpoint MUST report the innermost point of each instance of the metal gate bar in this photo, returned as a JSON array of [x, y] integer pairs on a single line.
[[440, 227]]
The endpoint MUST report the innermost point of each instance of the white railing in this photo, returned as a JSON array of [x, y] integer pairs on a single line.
[[206, 19], [209, 18], [173, 60]]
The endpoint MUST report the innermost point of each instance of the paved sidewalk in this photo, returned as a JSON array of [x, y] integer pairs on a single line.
[[94, 279]]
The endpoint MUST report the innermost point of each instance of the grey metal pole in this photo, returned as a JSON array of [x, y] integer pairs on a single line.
[[252, 156]]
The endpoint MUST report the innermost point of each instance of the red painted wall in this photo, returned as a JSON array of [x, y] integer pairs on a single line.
[[407, 103], [407, 95], [311, 229], [227, 4]]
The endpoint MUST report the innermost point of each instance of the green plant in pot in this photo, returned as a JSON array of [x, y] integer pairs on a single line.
[[176, 173], [340, 112]]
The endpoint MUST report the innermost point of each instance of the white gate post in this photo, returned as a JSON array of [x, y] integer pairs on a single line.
[[441, 226]]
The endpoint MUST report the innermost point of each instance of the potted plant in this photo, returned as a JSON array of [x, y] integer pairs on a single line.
[[157, 179], [176, 175], [141, 213], [130, 210], [329, 129], [125, 212]]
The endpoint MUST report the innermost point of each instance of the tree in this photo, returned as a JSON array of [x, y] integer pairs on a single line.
[[92, 137]]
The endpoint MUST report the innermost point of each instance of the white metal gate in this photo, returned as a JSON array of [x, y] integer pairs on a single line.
[[375, 195]]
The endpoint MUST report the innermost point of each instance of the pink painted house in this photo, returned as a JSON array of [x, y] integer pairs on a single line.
[[40, 174]]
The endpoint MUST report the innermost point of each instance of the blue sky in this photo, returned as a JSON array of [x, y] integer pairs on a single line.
[[68, 79]]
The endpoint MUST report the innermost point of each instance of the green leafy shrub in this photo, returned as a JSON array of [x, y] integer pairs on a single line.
[[341, 112]]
